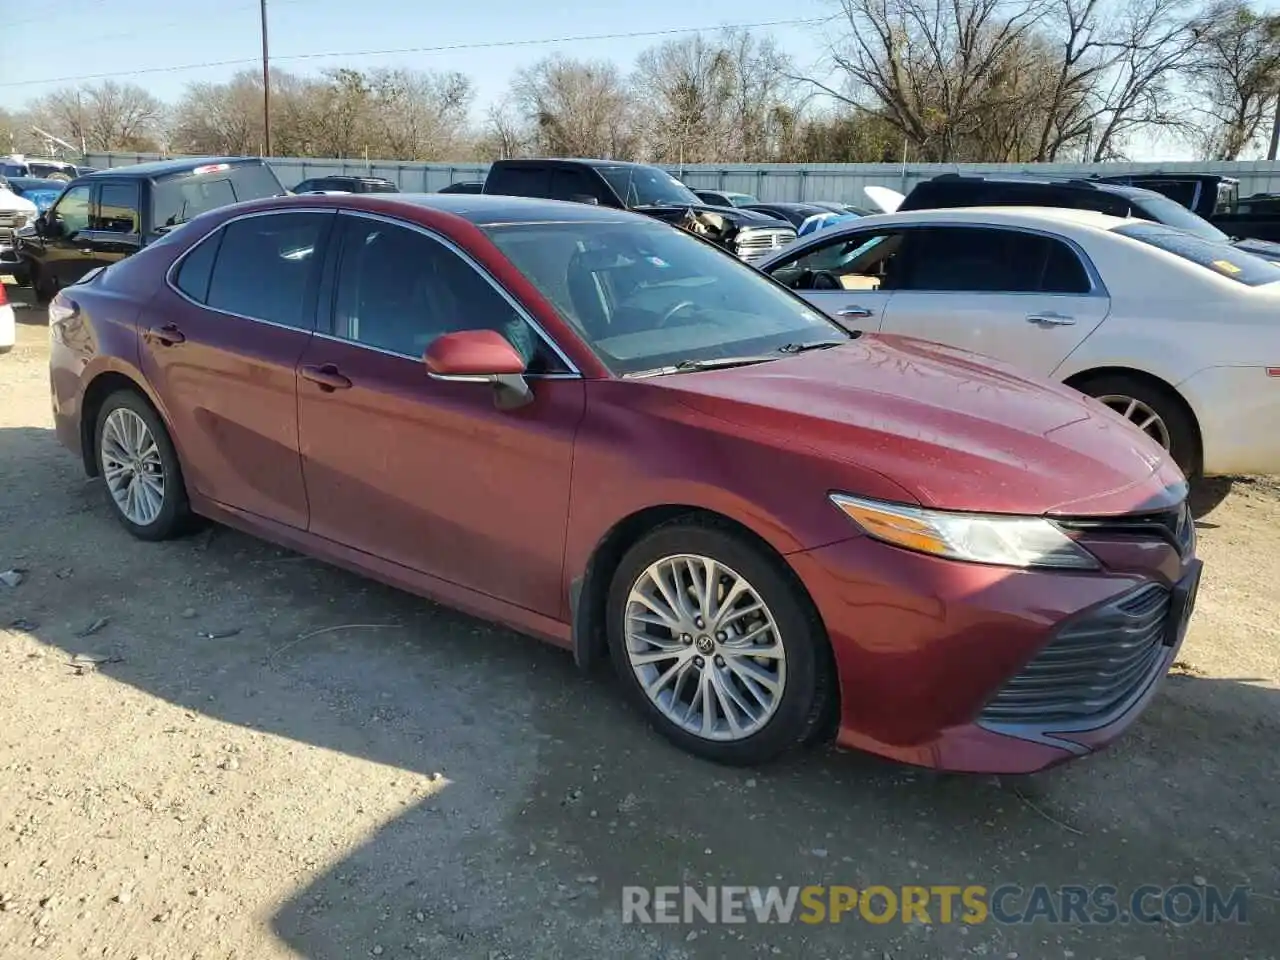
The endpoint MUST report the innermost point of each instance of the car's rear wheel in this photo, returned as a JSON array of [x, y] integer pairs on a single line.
[[41, 285], [138, 463], [1154, 410], [718, 644]]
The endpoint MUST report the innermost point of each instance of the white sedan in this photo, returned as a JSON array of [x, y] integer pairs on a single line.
[[8, 328], [1178, 334]]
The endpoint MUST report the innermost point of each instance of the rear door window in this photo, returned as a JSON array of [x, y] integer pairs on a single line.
[[1221, 258], [991, 260], [520, 182], [266, 267], [117, 209]]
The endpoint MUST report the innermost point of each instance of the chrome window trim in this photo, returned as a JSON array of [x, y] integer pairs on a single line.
[[1097, 288], [170, 281]]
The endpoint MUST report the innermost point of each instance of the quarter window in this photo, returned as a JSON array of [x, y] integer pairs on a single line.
[[989, 260], [72, 210], [265, 267], [197, 267], [117, 210], [399, 289]]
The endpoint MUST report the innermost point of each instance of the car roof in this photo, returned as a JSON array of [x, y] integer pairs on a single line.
[[1008, 216], [35, 183], [160, 168], [481, 209], [1062, 183], [580, 161]]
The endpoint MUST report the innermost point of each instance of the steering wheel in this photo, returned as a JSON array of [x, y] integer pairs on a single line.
[[674, 310], [824, 280]]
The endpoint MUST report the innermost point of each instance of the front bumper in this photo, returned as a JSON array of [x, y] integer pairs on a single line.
[[980, 669], [1238, 409]]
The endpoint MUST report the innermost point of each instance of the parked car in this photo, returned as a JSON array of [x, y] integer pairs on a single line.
[[464, 186], [725, 198], [106, 216], [793, 213], [591, 427], [645, 189], [40, 192], [40, 168], [346, 185], [16, 212], [1175, 332], [1114, 199], [835, 206], [8, 325]]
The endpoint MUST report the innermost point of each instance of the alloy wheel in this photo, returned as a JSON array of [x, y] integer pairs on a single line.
[[1141, 415], [132, 467], [705, 647]]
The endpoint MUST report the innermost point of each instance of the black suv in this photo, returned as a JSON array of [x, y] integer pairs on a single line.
[[346, 185], [108, 215], [1115, 199]]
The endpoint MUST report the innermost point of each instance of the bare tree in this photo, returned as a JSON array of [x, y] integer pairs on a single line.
[[925, 65], [576, 108], [419, 116], [1235, 77], [110, 116], [685, 87], [221, 118], [505, 135]]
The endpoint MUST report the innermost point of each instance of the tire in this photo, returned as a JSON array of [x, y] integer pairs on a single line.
[[1183, 440], [807, 676], [173, 518], [44, 289]]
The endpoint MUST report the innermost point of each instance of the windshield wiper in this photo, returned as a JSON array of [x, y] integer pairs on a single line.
[[817, 345], [720, 363]]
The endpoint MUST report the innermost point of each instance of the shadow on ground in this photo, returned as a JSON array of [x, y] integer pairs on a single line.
[[559, 796]]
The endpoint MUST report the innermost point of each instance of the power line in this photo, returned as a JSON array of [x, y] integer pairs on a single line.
[[156, 24], [446, 48]]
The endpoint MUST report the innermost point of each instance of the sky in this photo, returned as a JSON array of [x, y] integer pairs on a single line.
[[47, 46]]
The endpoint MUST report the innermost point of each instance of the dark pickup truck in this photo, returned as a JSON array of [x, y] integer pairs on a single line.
[[105, 216], [1078, 193], [1215, 198], [644, 189]]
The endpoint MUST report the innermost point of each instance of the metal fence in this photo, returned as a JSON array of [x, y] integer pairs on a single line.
[[775, 181]]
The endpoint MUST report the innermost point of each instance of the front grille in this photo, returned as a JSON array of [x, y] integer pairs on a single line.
[[1092, 666], [1175, 526], [9, 222], [755, 243]]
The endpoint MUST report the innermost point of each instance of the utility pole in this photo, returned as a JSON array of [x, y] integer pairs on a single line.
[[266, 85]]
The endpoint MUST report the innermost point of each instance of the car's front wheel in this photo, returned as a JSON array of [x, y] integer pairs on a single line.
[[138, 463], [718, 644], [1154, 410]]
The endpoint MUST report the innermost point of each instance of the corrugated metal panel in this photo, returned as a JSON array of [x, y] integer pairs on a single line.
[[776, 181]]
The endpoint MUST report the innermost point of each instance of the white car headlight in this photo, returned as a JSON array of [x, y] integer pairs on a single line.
[[1007, 541]]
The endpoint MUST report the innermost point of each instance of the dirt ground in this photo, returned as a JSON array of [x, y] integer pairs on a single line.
[[271, 758]]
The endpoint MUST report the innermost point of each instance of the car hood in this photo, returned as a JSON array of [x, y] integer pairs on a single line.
[[735, 215], [10, 202], [956, 430], [1263, 248]]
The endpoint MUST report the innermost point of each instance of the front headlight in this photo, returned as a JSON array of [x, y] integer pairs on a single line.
[[1006, 541]]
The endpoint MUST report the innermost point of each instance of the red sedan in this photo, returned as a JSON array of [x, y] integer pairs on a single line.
[[603, 431]]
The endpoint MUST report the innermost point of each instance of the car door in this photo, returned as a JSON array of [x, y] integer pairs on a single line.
[[1023, 296], [431, 475], [220, 344], [66, 255], [850, 276], [115, 223]]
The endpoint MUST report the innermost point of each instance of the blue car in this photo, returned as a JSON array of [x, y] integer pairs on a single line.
[[40, 192]]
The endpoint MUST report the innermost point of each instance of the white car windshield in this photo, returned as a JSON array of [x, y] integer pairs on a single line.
[[645, 296]]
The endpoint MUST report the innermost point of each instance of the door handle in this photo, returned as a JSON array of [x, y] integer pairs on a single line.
[[327, 376], [168, 335], [853, 310], [87, 251], [1051, 319]]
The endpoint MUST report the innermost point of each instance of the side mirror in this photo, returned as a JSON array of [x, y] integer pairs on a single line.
[[480, 356], [585, 198], [51, 226]]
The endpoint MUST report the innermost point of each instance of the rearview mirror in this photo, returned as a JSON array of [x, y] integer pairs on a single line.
[[480, 356]]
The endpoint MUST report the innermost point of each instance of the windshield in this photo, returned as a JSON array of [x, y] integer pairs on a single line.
[[14, 170], [645, 296], [1163, 210], [40, 192], [179, 198], [1222, 258], [641, 186]]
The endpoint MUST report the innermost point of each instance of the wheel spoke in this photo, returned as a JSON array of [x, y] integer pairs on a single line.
[[132, 466], [704, 647]]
